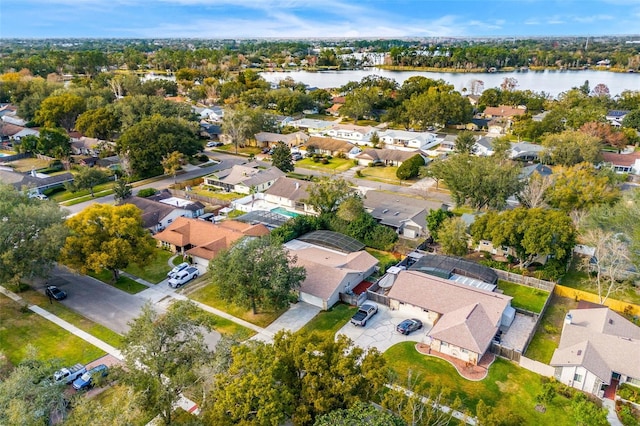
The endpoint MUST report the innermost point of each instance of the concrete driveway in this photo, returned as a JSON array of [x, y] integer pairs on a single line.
[[380, 331]]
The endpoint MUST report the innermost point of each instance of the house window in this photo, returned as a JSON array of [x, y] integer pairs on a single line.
[[633, 381], [444, 344], [577, 377], [464, 351]]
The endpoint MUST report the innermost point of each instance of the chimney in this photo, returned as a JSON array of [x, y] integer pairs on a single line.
[[297, 185], [568, 318]]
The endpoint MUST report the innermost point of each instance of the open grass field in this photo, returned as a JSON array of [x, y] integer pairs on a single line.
[[85, 324], [231, 149], [380, 174], [529, 298], [508, 388], [227, 196], [123, 283], [335, 164], [20, 328], [209, 296], [27, 164], [547, 337], [155, 270], [327, 323]]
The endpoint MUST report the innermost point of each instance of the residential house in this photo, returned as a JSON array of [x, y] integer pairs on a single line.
[[10, 117], [406, 139], [86, 146], [598, 348], [483, 147], [331, 269], [406, 215], [33, 182], [268, 139], [622, 163], [465, 318], [210, 131], [525, 151], [290, 194], [244, 179], [203, 240], [214, 113], [498, 126], [388, 157], [540, 116], [448, 144], [334, 110], [477, 124], [160, 210], [327, 146], [504, 111], [25, 132], [314, 127], [360, 135], [615, 117]]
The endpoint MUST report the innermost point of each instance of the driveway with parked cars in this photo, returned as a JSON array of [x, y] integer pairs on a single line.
[[380, 331]]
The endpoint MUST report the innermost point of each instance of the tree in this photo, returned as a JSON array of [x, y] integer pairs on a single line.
[[359, 103], [88, 178], [435, 218], [464, 143], [580, 187], [54, 142], [26, 397], [241, 123], [606, 134], [571, 147], [421, 407], [122, 190], [144, 144], [632, 119], [501, 147], [452, 237], [172, 163], [529, 232], [298, 377], [257, 273], [359, 414], [162, 352], [509, 84], [410, 168], [281, 157], [326, 194], [107, 237], [350, 208], [32, 232], [123, 407], [375, 140], [60, 110], [533, 193], [586, 413], [99, 123]]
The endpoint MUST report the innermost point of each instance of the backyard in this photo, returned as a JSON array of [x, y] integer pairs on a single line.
[[209, 295], [547, 336], [508, 389], [524, 297], [22, 328]]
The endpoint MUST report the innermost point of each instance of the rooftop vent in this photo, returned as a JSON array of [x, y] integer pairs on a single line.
[[579, 352], [384, 211]]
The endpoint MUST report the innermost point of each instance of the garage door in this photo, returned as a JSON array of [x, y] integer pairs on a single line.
[[312, 300], [414, 312]]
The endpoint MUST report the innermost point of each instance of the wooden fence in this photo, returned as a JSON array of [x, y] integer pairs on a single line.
[[525, 280], [505, 352], [616, 305]]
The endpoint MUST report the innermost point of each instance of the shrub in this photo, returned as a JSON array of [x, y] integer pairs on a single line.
[[550, 329], [410, 168], [630, 393], [147, 192], [325, 161]]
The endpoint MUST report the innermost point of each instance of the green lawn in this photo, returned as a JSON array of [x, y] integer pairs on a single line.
[[529, 298], [123, 283], [20, 328], [209, 296], [508, 388], [210, 192], [547, 337], [578, 279], [85, 324], [247, 150], [327, 323], [380, 174], [335, 164], [228, 328], [85, 194], [154, 271]]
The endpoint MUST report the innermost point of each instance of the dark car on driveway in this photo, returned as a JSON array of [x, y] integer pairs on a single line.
[[54, 292], [87, 379], [409, 325]]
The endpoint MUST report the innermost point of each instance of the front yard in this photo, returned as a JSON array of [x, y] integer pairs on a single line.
[[524, 297], [155, 270], [335, 164], [123, 283], [209, 296], [508, 389], [547, 337], [327, 323], [22, 328]]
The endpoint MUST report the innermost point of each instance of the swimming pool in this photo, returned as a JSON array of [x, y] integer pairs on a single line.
[[284, 212]]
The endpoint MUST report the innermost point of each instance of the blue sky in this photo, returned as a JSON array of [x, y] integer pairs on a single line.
[[315, 18]]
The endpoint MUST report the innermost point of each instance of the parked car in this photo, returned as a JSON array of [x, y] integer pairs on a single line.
[[366, 311], [184, 276], [296, 156], [55, 292], [176, 269], [69, 374], [265, 150], [212, 144], [86, 380], [409, 325]]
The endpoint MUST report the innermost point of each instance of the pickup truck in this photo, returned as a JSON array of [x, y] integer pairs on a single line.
[[366, 311], [183, 277], [69, 374]]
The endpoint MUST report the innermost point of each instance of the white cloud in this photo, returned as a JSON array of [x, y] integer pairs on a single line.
[[592, 18]]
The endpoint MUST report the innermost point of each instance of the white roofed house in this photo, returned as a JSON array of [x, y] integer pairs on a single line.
[[160, 210], [483, 147], [525, 151], [360, 135], [314, 127], [598, 349], [244, 178], [405, 139], [388, 157]]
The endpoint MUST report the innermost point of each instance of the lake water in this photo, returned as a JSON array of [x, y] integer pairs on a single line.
[[552, 82]]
